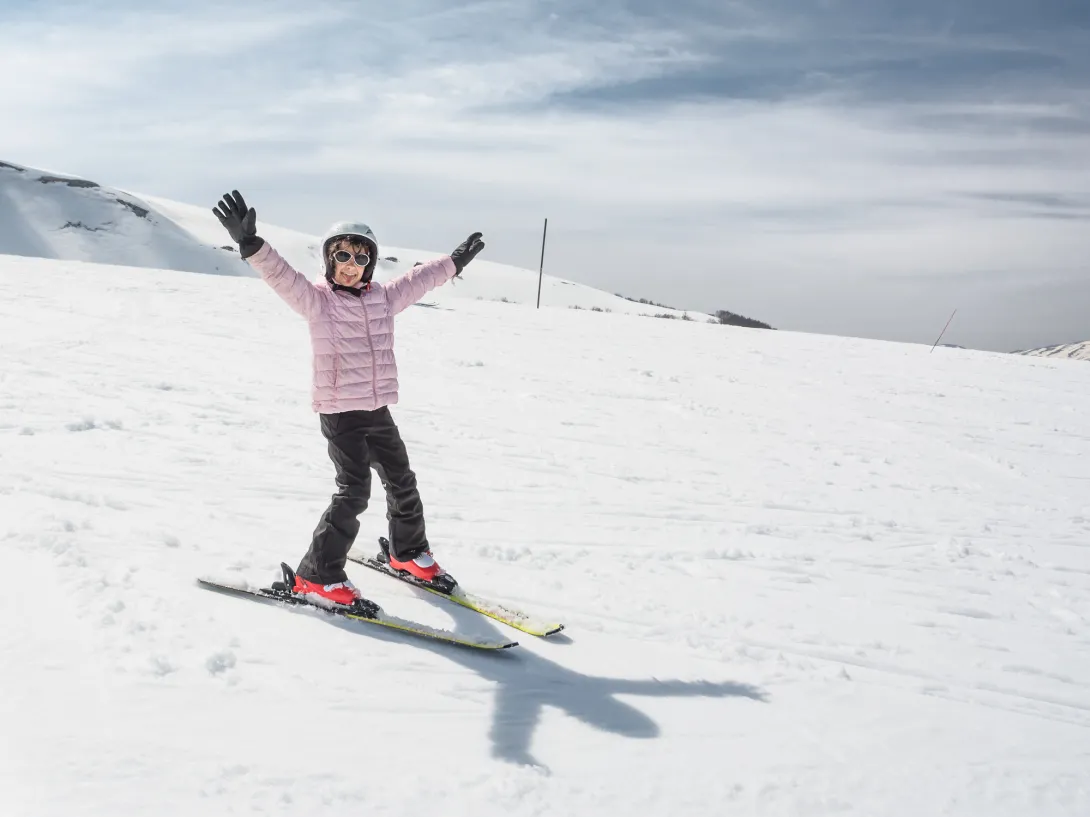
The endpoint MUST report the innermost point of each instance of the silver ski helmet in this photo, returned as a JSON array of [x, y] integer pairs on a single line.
[[350, 229]]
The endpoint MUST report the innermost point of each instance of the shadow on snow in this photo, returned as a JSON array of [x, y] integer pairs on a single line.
[[526, 683]]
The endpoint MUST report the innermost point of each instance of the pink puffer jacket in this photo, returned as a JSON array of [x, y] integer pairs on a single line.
[[352, 336]]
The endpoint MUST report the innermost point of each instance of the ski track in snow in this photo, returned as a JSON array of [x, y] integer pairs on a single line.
[[800, 574]]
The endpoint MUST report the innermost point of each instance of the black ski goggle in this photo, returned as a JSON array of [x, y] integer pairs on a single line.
[[343, 256]]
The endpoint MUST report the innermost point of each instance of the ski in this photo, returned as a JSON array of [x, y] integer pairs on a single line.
[[453, 591], [364, 611]]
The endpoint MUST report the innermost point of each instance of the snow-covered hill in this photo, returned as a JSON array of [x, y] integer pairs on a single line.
[[50, 215], [802, 575], [1070, 351], [489, 280]]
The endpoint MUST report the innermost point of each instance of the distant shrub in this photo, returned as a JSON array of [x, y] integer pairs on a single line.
[[643, 301], [731, 319]]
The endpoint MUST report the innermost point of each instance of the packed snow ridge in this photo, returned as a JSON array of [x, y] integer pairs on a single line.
[[1070, 351], [51, 215]]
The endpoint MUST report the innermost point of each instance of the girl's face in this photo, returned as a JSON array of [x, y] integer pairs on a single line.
[[349, 273]]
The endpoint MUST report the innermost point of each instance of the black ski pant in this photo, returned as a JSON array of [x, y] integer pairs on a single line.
[[358, 442]]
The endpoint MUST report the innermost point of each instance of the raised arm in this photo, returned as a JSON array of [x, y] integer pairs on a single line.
[[405, 291], [290, 284], [241, 222]]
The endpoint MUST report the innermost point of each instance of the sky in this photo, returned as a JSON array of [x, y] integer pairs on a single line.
[[854, 167]]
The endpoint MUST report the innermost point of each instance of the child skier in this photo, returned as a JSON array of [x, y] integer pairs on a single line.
[[355, 381]]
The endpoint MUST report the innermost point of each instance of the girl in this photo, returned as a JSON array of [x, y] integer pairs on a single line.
[[355, 381]]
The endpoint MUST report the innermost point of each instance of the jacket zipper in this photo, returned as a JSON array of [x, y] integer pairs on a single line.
[[371, 346]]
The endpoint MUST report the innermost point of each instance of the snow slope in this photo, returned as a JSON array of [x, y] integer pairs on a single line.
[[489, 280], [50, 215], [1070, 351], [802, 575]]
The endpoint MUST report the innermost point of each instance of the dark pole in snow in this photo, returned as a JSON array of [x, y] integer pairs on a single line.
[[943, 332], [541, 270]]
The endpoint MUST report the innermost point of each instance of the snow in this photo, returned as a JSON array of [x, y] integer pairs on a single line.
[[490, 281], [801, 575], [1070, 351], [52, 215], [44, 214]]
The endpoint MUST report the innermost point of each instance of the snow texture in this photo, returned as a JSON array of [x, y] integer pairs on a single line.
[[490, 281], [49, 215], [801, 575], [1070, 351]]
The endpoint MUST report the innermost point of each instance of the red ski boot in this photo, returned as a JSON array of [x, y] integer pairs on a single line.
[[343, 593], [423, 567]]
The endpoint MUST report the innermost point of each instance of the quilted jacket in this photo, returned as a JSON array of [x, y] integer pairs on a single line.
[[352, 335]]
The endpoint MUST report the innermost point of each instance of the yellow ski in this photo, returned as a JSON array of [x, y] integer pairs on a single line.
[[510, 616], [366, 611]]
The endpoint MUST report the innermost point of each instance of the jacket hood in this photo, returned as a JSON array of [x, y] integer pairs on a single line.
[[350, 229]]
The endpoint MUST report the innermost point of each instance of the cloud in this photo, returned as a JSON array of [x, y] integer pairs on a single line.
[[713, 154]]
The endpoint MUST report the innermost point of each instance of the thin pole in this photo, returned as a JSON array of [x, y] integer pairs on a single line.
[[541, 269], [943, 332]]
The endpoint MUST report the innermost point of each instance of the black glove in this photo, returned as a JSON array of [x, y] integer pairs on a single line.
[[466, 252], [240, 222]]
